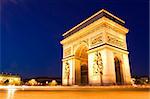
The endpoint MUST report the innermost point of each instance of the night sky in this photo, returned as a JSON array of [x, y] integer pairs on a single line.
[[31, 31]]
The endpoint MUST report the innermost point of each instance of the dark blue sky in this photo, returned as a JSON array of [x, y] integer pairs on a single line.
[[31, 31]]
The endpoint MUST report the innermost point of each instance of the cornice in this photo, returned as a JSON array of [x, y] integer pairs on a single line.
[[101, 23]]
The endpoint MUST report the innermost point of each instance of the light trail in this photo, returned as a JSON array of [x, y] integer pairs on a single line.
[[11, 92]]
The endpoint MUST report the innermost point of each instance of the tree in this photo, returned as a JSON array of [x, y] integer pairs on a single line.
[[6, 82], [32, 82], [53, 83]]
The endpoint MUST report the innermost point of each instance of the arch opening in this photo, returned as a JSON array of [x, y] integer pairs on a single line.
[[81, 71], [118, 71]]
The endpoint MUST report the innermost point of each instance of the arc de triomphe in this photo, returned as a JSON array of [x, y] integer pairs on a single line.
[[95, 52]]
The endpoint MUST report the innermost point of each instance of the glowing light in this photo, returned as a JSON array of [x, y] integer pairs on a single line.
[[11, 91]]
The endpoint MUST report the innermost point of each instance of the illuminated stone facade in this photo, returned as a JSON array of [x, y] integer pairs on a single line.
[[6, 79], [96, 52]]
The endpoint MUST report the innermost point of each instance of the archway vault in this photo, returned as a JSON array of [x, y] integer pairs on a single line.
[[118, 70], [81, 68], [81, 51]]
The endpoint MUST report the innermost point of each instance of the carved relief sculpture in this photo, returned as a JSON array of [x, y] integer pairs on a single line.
[[67, 52], [67, 72], [98, 66], [115, 41], [96, 40]]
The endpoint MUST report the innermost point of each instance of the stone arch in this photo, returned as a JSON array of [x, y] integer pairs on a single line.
[[97, 34], [81, 71], [118, 70], [80, 45]]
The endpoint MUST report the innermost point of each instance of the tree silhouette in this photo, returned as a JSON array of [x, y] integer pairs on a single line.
[[6, 82]]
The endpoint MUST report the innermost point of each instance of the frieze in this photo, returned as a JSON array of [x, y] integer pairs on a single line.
[[96, 28], [97, 40], [67, 52], [115, 41]]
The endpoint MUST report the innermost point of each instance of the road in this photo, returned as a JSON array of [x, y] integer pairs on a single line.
[[74, 92]]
